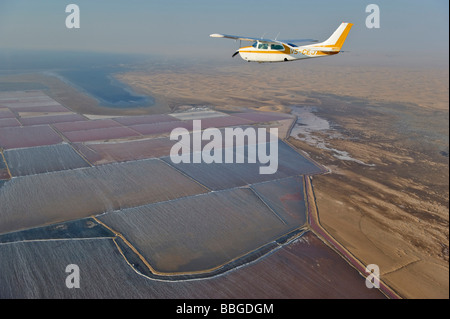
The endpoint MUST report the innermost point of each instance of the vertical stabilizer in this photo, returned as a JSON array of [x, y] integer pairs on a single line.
[[337, 39]]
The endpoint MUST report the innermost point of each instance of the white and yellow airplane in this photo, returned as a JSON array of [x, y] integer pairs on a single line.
[[267, 50]]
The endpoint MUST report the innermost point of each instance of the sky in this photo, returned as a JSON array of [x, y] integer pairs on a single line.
[[410, 30]]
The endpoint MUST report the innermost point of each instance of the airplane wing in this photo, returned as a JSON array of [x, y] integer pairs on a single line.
[[238, 37], [297, 40]]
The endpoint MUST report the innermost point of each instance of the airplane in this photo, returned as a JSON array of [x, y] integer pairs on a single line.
[[268, 50]]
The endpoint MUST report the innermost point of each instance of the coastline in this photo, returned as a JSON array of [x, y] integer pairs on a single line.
[[75, 98]]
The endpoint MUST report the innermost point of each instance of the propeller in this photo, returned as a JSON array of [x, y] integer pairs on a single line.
[[236, 53]]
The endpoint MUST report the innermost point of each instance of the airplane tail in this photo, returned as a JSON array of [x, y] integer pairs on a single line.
[[337, 39]]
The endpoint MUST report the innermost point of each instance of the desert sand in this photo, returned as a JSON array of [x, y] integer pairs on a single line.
[[273, 87]]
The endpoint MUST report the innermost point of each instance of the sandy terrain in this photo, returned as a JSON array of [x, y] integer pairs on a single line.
[[274, 87], [391, 206]]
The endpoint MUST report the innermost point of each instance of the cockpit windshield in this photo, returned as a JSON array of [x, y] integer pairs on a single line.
[[276, 47], [267, 46]]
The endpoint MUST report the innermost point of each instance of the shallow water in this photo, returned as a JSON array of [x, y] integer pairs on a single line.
[[92, 73], [308, 124], [100, 84]]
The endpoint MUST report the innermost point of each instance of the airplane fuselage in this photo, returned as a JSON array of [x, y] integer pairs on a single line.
[[266, 52]]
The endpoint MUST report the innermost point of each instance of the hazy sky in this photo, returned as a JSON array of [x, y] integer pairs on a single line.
[[410, 29]]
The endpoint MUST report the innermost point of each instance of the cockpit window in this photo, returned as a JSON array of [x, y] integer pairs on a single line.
[[276, 47], [255, 44], [263, 46]]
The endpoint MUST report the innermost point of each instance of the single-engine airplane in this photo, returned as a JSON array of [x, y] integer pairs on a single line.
[[268, 50]]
